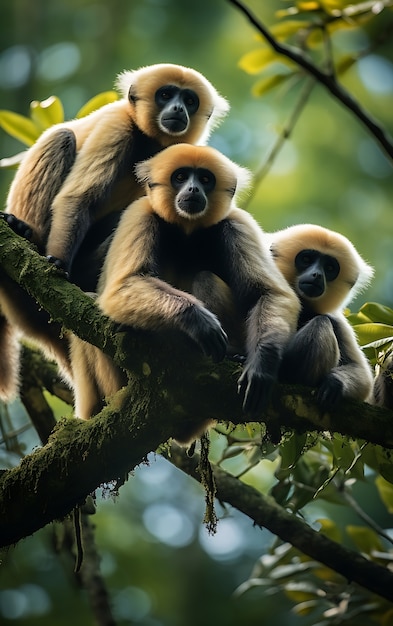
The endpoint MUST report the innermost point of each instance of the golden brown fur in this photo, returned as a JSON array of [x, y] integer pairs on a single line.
[[77, 173], [157, 264], [47, 194], [324, 352]]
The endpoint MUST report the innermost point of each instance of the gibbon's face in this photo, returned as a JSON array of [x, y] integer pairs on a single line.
[[315, 271], [172, 103], [321, 265], [176, 106], [192, 186]]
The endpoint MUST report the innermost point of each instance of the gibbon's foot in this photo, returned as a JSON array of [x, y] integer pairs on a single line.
[[59, 264], [18, 226]]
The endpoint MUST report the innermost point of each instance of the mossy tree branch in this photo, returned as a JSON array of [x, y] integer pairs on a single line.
[[170, 385]]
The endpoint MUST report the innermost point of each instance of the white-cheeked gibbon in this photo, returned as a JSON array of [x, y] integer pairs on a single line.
[[186, 228], [326, 272], [73, 182]]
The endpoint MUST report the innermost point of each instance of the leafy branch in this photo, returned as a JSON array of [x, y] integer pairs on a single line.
[[325, 78]]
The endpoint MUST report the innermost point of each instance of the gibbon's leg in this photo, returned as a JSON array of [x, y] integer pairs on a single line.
[[217, 297], [24, 314], [9, 360], [311, 353], [89, 259], [96, 378], [38, 180]]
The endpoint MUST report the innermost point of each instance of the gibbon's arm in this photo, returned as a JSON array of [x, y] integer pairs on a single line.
[[270, 305], [352, 377], [131, 293], [98, 163]]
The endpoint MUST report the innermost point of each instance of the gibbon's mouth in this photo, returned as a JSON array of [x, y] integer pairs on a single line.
[[311, 290], [174, 124], [192, 205]]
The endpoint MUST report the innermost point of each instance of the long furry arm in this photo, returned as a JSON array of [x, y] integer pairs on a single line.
[[133, 292], [99, 161], [353, 373], [272, 307]]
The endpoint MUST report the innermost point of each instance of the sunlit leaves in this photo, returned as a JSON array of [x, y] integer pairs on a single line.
[[385, 490], [47, 112], [309, 26], [43, 115], [19, 127], [97, 102], [373, 325]]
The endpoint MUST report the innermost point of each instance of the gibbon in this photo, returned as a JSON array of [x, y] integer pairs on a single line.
[[79, 171], [326, 272], [78, 176], [188, 227]]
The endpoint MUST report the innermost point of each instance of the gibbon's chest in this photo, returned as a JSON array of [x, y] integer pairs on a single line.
[[180, 257]]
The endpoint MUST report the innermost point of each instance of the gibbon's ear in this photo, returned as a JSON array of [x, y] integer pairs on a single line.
[[144, 82]]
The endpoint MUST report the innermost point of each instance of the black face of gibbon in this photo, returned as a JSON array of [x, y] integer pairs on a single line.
[[176, 106], [314, 271], [193, 186]]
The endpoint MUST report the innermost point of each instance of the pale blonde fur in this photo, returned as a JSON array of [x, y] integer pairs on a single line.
[[133, 295]]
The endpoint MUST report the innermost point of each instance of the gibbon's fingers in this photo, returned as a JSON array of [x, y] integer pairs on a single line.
[[255, 387], [58, 263], [330, 393], [18, 226], [205, 329]]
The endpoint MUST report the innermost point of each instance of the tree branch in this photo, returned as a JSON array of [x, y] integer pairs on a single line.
[[266, 513], [323, 78], [170, 386]]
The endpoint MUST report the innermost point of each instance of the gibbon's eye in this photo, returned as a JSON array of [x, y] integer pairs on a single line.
[[180, 176], [331, 267], [305, 258], [190, 100], [164, 94], [207, 179]]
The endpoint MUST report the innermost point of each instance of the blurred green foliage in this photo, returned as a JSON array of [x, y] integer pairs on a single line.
[[160, 565]]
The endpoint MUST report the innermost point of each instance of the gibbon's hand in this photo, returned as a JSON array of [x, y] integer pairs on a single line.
[[18, 226], [255, 386], [205, 329], [330, 393], [59, 264]]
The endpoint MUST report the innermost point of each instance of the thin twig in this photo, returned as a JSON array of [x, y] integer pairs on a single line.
[[323, 78], [286, 132]]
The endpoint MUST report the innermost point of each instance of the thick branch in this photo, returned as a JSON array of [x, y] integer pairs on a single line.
[[327, 80], [265, 512], [171, 386]]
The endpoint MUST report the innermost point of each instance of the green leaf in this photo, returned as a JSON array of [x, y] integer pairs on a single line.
[[385, 490], [20, 127], [97, 102], [13, 162], [284, 30], [377, 313], [368, 333], [255, 61], [365, 539], [291, 450], [267, 84], [329, 529], [47, 112]]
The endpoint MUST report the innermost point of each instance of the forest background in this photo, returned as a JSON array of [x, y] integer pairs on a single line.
[[157, 557]]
